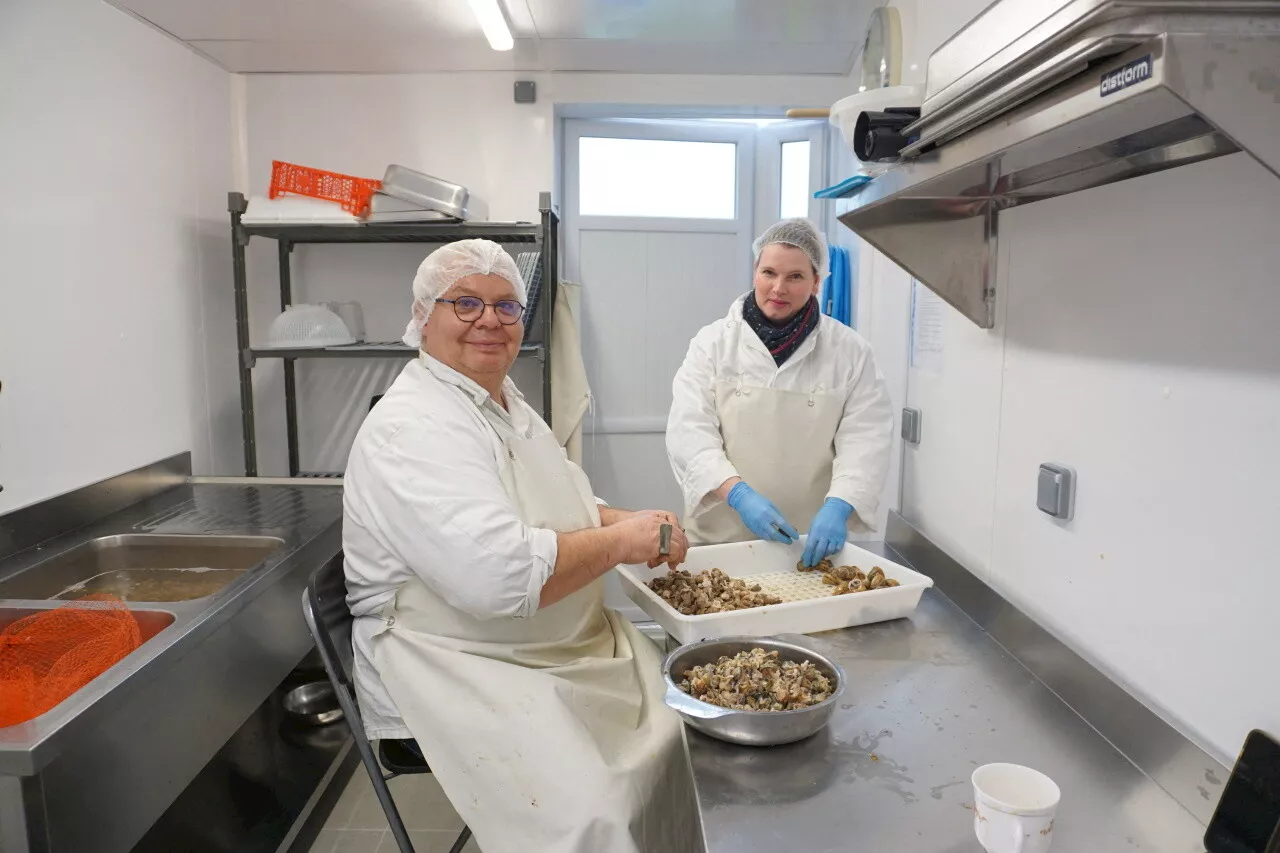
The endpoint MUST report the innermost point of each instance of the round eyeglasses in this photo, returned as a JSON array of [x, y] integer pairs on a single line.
[[471, 308]]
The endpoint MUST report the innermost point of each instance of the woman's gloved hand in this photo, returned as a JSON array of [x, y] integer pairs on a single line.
[[760, 516], [828, 532]]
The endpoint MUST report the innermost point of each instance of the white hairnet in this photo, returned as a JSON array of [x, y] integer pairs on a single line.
[[443, 268], [800, 233]]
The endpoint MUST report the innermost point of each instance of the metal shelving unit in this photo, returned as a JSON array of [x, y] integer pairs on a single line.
[[389, 349], [544, 234]]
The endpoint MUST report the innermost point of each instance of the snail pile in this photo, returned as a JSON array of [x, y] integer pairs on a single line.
[[849, 579]]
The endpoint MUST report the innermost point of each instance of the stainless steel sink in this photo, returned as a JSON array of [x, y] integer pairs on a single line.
[[150, 622], [142, 567], [99, 769]]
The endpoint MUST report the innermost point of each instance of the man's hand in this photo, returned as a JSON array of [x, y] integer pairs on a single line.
[[640, 537], [611, 515]]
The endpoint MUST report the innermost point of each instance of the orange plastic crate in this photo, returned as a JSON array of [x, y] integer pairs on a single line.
[[351, 192]]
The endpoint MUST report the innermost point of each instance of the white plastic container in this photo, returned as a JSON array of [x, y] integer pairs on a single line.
[[303, 325], [295, 209], [807, 607], [352, 316]]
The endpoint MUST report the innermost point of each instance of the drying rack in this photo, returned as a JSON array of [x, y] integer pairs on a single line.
[[543, 234]]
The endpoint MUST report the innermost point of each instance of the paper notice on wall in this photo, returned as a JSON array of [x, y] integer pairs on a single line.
[[927, 315]]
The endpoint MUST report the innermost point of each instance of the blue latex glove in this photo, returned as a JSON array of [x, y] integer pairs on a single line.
[[828, 531], [760, 516]]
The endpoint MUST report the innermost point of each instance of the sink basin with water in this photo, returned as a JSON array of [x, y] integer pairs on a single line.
[[142, 567]]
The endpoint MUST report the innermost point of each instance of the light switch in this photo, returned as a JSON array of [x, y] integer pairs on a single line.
[[911, 426], [1055, 491]]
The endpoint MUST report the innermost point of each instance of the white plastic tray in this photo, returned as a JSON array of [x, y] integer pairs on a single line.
[[294, 209], [807, 604]]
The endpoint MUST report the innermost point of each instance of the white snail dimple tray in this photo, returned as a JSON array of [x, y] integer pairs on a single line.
[[807, 603], [793, 585]]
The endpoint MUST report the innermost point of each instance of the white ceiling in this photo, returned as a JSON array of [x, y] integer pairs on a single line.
[[643, 36]]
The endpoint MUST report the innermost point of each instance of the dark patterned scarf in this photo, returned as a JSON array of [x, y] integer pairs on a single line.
[[781, 339]]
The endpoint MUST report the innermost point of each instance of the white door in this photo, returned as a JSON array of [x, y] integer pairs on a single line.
[[659, 219], [658, 229]]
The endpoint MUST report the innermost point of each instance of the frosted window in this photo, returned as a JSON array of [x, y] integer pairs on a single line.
[[794, 180], [657, 177]]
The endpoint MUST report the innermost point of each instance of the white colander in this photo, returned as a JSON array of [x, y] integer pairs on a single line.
[[309, 326]]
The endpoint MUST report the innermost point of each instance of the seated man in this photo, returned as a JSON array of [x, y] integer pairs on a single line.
[[475, 553]]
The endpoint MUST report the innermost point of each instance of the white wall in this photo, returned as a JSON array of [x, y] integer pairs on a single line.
[[1135, 342], [463, 127], [882, 300], [926, 24], [116, 337]]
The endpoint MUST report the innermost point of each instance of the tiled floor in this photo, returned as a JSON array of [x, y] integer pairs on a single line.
[[357, 824]]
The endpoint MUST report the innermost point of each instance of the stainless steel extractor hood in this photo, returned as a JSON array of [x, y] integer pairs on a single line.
[[1040, 98]]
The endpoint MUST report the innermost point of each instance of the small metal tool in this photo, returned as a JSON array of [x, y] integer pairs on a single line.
[[664, 540]]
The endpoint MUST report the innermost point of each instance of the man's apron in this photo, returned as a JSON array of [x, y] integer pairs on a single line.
[[783, 444], [548, 734]]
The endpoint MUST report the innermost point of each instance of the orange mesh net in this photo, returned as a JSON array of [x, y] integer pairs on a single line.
[[47, 656], [351, 192]]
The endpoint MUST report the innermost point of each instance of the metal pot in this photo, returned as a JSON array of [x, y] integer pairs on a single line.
[[313, 703], [750, 728]]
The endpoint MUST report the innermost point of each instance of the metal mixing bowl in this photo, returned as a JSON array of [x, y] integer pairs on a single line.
[[313, 703], [750, 728]]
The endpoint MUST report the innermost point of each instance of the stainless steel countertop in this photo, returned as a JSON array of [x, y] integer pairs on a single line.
[[930, 698], [307, 518]]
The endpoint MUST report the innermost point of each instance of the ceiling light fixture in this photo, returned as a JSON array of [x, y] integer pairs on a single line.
[[494, 24]]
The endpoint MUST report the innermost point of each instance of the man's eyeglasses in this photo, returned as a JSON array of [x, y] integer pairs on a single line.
[[471, 308]]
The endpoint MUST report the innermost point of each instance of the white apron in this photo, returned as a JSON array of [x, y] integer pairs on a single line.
[[548, 734], [764, 433]]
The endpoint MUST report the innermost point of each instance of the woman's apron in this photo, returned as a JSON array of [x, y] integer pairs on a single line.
[[548, 734], [782, 444]]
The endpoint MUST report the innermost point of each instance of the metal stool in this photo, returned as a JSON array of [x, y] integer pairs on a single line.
[[324, 606]]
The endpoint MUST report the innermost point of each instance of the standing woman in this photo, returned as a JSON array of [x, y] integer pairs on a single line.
[[780, 416]]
